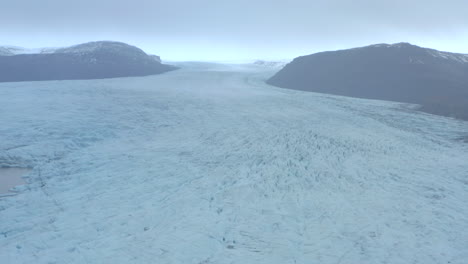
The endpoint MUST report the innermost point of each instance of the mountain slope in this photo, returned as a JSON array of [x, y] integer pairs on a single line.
[[94, 60], [401, 72]]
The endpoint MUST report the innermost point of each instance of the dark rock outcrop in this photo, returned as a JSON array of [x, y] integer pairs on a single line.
[[402, 72], [94, 60]]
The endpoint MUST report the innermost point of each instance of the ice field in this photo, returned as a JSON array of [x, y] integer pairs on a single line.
[[208, 164]]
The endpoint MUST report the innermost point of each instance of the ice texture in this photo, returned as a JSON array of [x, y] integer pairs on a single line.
[[211, 165]]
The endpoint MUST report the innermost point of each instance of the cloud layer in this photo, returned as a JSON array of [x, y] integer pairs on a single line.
[[241, 29]]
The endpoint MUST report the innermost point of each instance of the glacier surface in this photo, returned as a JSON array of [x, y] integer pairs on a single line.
[[210, 165]]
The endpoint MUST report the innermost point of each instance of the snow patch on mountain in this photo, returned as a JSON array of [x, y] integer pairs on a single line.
[[458, 57], [109, 46], [14, 50], [384, 45], [462, 58], [270, 64]]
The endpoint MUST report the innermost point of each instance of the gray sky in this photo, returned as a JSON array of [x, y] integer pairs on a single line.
[[236, 29]]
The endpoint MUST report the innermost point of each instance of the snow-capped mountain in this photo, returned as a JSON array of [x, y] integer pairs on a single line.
[[456, 57], [8, 51], [93, 60], [270, 64], [400, 72], [102, 46], [13, 50]]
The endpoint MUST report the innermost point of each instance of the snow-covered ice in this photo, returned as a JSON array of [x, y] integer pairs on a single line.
[[210, 165]]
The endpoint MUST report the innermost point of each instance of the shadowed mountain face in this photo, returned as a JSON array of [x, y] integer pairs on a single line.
[[438, 81], [94, 60]]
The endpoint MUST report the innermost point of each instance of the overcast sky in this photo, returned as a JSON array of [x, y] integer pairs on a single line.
[[236, 29]]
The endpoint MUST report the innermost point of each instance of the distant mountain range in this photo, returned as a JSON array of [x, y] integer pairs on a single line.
[[270, 64], [93, 60], [13, 50], [402, 72]]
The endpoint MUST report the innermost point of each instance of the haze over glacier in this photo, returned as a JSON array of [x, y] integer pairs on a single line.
[[208, 164]]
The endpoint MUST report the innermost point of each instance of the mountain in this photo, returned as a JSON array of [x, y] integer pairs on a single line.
[[13, 50], [7, 51], [436, 80], [270, 64], [93, 60]]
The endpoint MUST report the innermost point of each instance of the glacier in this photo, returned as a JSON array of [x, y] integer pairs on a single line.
[[208, 164]]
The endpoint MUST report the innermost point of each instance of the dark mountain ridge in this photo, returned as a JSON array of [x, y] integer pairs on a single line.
[[93, 60], [402, 72]]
